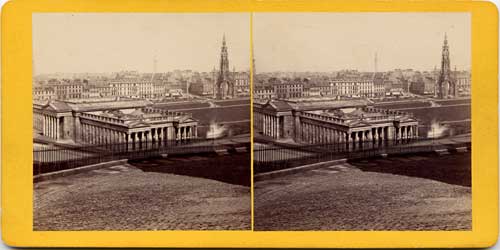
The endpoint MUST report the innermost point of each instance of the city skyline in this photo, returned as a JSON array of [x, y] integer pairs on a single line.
[[301, 42], [99, 43]]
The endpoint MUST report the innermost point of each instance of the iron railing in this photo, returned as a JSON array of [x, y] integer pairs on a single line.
[[58, 158], [280, 156]]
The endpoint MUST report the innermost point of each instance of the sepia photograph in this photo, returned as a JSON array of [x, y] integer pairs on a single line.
[[362, 121], [141, 121]]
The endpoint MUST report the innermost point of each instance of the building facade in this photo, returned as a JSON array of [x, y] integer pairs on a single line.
[[342, 122], [264, 92], [289, 89], [111, 122], [354, 87], [241, 83]]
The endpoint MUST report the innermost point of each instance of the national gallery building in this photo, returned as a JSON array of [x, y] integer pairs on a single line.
[[114, 121], [331, 121]]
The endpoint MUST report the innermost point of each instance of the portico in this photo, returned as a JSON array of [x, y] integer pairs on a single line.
[[136, 125], [352, 124]]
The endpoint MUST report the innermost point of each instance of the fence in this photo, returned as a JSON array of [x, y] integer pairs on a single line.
[[280, 156], [55, 159]]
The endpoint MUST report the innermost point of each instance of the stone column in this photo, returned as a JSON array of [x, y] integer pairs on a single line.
[[105, 139], [97, 138], [270, 121], [126, 141], [56, 123], [44, 128], [265, 125], [49, 123], [314, 134], [274, 126], [277, 127], [303, 134], [134, 140], [54, 128], [348, 140], [99, 135], [310, 133], [327, 135], [109, 135], [353, 136], [103, 135], [269, 126], [335, 136], [159, 136], [323, 136], [90, 135], [87, 133], [57, 128], [141, 139], [149, 139], [48, 127]]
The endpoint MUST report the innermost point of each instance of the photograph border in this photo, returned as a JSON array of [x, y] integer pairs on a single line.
[[17, 182]]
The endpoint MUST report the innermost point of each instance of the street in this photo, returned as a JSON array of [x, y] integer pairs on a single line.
[[127, 198], [349, 197]]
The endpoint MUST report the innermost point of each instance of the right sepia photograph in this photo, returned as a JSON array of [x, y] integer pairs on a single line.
[[362, 121]]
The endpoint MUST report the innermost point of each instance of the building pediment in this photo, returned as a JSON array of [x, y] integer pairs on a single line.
[[187, 120], [56, 106], [138, 124], [277, 106]]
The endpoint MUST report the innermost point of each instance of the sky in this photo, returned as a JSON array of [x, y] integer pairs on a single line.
[[111, 42], [335, 41]]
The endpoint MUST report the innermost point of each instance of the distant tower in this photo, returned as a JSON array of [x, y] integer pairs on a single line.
[[154, 68], [224, 85], [376, 63], [446, 86]]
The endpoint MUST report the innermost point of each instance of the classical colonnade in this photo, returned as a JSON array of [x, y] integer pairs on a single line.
[[271, 126], [48, 125], [101, 135], [317, 134]]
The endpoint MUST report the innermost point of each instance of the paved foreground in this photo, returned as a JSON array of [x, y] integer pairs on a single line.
[[126, 198], [346, 198]]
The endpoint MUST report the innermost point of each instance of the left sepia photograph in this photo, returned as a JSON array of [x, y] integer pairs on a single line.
[[141, 121]]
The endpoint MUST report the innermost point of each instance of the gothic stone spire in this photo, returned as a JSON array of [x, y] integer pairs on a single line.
[[446, 84]]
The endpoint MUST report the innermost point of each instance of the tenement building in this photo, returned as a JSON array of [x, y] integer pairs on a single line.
[[108, 122], [320, 121]]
